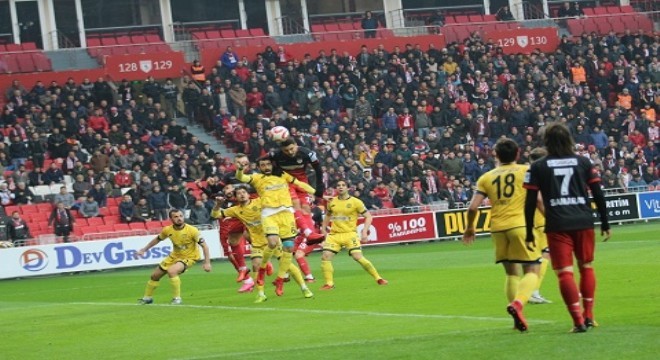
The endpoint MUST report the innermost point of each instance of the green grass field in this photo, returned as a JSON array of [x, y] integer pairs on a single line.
[[444, 301]]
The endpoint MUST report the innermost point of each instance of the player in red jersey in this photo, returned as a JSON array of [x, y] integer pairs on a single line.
[[295, 160]]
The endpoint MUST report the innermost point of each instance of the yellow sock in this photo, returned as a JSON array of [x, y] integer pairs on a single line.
[[542, 270], [176, 286], [296, 275], [260, 290], [526, 287], [327, 270], [369, 267], [268, 253], [285, 264], [511, 286], [151, 287]]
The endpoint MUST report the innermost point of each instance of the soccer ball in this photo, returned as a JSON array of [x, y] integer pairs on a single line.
[[279, 133]]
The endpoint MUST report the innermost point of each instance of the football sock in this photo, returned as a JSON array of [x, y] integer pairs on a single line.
[[151, 287], [327, 270], [309, 224], [542, 269], [571, 296], [369, 267], [285, 263], [268, 253], [304, 265], [526, 286], [511, 287], [296, 274], [239, 254], [230, 256], [588, 290], [176, 286]]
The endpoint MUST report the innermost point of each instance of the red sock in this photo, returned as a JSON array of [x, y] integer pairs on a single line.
[[239, 253], [571, 296], [304, 266], [228, 252], [588, 290], [309, 222]]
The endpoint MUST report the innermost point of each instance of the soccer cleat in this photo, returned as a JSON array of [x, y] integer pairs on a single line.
[[242, 274], [145, 301], [382, 282], [261, 274], [260, 299], [590, 323], [578, 329], [515, 310], [247, 287], [279, 286], [315, 238], [269, 269], [538, 299], [327, 287], [176, 301], [309, 278], [307, 293]]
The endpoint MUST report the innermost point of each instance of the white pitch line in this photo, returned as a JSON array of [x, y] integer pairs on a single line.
[[323, 312], [295, 350]]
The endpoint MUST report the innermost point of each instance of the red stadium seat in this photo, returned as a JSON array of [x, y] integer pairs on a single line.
[[243, 33], [95, 221], [121, 227], [136, 226], [227, 33], [257, 32]]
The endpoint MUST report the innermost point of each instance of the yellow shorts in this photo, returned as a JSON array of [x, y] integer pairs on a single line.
[[510, 246], [335, 242], [282, 224], [541, 239], [258, 251], [171, 260], [258, 241]]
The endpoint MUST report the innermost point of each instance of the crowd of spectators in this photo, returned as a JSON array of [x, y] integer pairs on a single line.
[[405, 126]]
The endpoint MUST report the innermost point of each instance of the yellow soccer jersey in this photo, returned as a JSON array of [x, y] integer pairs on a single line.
[[344, 214], [504, 187], [539, 219], [273, 190], [250, 215], [184, 240]]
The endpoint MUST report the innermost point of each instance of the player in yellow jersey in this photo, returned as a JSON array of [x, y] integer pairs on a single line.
[[185, 239], [277, 217], [248, 211], [504, 187], [541, 238], [343, 211]]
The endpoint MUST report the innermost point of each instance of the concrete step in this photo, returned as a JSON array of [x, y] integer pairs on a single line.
[[71, 59], [203, 136]]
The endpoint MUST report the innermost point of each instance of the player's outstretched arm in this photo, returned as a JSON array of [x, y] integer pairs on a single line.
[[531, 203], [207, 256], [216, 212], [308, 188], [151, 244], [469, 234], [599, 199]]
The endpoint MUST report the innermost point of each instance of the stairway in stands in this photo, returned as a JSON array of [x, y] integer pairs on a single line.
[[216, 145], [71, 59]]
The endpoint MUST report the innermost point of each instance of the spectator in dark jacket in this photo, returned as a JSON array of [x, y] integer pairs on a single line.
[[199, 214], [369, 24], [176, 199], [128, 212], [18, 228], [99, 194], [158, 202], [62, 220]]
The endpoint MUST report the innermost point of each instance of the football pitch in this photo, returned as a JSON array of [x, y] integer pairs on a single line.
[[444, 301]]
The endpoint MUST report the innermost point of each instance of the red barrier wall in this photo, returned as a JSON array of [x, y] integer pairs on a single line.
[[525, 40]]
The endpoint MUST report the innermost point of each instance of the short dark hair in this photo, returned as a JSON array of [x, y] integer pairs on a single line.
[[506, 150], [287, 142], [537, 153]]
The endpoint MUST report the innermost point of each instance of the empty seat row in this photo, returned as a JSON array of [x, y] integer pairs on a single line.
[[226, 33], [603, 25], [604, 10], [26, 62], [29, 46], [111, 40], [238, 42], [466, 19], [455, 32]]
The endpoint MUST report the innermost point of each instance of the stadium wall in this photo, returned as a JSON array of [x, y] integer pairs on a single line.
[[388, 229]]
